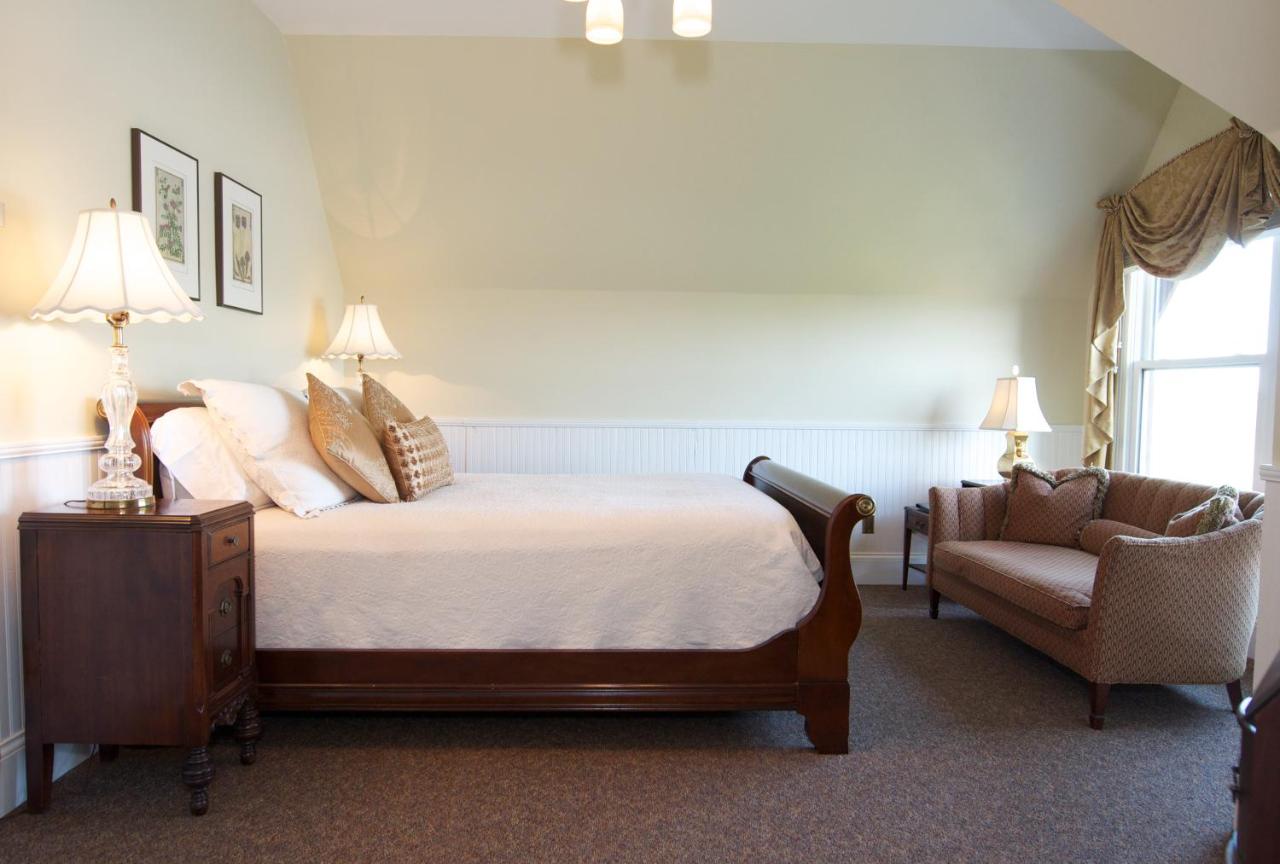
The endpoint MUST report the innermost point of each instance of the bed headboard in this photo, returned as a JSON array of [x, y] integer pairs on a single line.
[[140, 428]]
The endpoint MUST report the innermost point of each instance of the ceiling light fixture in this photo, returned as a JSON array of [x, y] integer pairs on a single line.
[[604, 21], [691, 18]]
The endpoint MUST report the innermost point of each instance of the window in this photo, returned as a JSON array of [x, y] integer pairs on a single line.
[[1197, 379]]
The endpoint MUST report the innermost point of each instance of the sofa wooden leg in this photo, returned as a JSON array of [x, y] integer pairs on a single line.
[[934, 597], [1234, 693], [825, 707], [1098, 694]]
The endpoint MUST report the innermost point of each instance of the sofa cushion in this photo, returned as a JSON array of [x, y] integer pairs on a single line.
[[1053, 582], [1220, 511], [1097, 532], [1044, 508]]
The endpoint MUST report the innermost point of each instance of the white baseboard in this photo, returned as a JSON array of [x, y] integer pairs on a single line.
[[13, 768]]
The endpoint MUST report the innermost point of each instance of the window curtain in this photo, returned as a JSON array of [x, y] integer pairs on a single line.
[[1172, 224]]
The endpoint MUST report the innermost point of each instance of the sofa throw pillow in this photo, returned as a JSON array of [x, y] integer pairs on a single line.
[[381, 406], [346, 443], [1220, 511], [1052, 510], [418, 457], [1097, 532]]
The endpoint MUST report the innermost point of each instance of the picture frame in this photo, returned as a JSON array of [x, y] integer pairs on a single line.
[[237, 243], [166, 190]]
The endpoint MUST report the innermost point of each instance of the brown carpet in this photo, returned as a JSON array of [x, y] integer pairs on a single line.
[[966, 747]]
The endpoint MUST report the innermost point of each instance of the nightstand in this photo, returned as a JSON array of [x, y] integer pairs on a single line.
[[915, 519], [137, 629]]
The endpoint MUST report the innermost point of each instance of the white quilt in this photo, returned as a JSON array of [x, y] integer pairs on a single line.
[[538, 561]]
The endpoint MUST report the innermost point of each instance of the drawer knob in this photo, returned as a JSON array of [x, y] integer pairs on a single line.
[[232, 539], [225, 659], [224, 608]]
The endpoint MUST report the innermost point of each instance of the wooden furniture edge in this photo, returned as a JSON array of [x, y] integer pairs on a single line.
[[804, 668]]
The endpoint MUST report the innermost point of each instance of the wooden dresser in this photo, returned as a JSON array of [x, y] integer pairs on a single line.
[[137, 629]]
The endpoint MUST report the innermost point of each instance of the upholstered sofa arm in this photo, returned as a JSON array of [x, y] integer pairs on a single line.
[[1174, 608], [964, 514]]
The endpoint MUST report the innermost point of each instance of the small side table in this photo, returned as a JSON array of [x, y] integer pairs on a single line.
[[978, 484], [915, 520]]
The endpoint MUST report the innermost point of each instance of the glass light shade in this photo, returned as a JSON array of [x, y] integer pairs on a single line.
[[361, 335], [604, 22], [1015, 407], [114, 266], [691, 18]]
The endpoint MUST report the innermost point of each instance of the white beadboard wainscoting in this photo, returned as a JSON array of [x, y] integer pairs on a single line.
[[895, 465]]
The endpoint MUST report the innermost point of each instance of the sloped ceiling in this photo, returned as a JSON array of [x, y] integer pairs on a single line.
[[968, 23], [1225, 49]]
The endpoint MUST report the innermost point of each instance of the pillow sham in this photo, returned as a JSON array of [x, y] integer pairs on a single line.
[[381, 406], [347, 445], [188, 445], [418, 457], [1097, 532], [267, 432], [1053, 510], [1220, 511]]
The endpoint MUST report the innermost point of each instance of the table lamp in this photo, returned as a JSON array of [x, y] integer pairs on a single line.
[[361, 335], [114, 273], [1015, 410]]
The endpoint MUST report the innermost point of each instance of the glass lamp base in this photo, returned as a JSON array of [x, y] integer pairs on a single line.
[[134, 494]]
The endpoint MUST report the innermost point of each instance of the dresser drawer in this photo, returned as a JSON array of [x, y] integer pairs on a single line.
[[225, 658], [226, 587], [227, 543]]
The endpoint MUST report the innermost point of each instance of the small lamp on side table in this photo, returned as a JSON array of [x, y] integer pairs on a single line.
[[361, 335], [114, 273], [1015, 410]]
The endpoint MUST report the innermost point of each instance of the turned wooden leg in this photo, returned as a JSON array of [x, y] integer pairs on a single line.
[[934, 597], [906, 556], [248, 731], [108, 752], [39, 776], [825, 706], [1234, 693], [197, 774], [1098, 694]]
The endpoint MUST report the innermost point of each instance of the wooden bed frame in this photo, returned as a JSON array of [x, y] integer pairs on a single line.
[[804, 669]]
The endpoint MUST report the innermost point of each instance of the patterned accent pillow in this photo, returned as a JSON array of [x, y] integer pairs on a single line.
[[1052, 510], [381, 406], [347, 444], [1220, 511], [1097, 532], [418, 456]]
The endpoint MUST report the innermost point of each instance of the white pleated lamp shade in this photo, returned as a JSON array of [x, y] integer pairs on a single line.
[[691, 18], [604, 21], [114, 266], [361, 335], [1015, 406]]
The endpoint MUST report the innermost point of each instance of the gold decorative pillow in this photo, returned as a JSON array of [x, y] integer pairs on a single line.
[[1220, 511], [417, 455], [1052, 510], [346, 443], [381, 407]]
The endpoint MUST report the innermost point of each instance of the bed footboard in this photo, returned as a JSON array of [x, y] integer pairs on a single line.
[[827, 517]]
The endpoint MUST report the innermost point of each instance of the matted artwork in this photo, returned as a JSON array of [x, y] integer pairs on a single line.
[[237, 236], [166, 189]]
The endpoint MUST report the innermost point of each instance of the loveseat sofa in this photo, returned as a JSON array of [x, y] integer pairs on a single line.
[[1136, 609]]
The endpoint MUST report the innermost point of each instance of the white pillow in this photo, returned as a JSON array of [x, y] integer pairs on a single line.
[[266, 430], [189, 446]]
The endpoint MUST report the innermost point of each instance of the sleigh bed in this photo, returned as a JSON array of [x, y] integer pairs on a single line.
[[802, 667]]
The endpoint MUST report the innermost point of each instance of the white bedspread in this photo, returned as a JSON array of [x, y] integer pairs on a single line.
[[538, 561]]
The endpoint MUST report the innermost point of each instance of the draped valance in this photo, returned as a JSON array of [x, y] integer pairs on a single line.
[[1172, 224]]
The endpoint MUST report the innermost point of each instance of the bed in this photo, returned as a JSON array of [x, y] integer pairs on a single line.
[[573, 593]]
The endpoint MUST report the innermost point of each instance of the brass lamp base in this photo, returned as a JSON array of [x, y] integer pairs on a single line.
[[123, 506], [1015, 453]]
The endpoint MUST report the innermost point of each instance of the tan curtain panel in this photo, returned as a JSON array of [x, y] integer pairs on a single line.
[[1172, 224]]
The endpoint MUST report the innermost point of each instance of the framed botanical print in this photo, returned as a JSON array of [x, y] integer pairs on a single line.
[[166, 189], [237, 242]]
